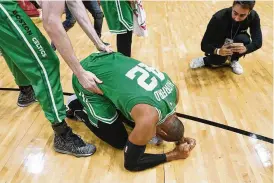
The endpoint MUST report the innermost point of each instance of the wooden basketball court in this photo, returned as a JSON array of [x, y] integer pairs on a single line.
[[220, 156]]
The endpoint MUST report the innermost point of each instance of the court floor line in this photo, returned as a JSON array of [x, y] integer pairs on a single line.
[[226, 127], [200, 120]]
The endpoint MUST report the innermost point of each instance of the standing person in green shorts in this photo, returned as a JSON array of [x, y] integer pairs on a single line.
[[136, 92], [33, 62], [119, 17]]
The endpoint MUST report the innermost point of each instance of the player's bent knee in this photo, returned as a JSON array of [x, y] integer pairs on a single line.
[[119, 142], [130, 167]]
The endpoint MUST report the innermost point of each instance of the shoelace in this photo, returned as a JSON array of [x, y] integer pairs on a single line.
[[26, 93], [23, 95], [75, 138]]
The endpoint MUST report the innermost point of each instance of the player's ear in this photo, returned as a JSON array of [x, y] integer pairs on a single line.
[[160, 131]]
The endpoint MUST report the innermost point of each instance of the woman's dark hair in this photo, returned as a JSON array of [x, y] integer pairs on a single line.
[[245, 4]]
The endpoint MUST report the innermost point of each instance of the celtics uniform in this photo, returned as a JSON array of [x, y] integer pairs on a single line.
[[119, 16], [31, 59], [126, 83]]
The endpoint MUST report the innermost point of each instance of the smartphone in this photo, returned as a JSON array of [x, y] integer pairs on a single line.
[[236, 45], [228, 41]]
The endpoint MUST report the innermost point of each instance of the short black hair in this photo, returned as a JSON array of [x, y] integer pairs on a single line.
[[172, 130], [177, 129], [245, 4]]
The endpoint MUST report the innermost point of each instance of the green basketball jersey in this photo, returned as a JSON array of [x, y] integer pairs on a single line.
[[126, 82]]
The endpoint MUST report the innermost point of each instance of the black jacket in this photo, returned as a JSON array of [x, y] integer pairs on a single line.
[[220, 26]]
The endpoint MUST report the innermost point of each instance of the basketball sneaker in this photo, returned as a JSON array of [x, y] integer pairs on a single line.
[[26, 96], [66, 142]]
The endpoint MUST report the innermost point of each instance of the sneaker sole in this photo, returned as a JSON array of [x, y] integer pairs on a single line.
[[26, 105], [74, 154]]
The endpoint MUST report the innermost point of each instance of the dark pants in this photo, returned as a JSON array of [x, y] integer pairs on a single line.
[[220, 60], [114, 134], [124, 43], [96, 12], [70, 20]]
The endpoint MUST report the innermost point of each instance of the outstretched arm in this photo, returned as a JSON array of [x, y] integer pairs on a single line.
[[52, 11], [78, 10], [145, 118]]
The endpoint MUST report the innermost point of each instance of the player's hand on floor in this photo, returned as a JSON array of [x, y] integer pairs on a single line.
[[89, 81], [182, 151], [191, 142]]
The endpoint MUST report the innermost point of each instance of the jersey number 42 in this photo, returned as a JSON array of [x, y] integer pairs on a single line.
[[146, 72]]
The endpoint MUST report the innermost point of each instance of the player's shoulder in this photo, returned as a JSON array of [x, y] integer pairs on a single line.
[[145, 114]]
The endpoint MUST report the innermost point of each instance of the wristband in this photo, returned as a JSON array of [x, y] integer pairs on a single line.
[[218, 51]]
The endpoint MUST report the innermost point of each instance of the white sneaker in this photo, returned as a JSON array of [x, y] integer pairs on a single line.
[[236, 67], [156, 141], [197, 62]]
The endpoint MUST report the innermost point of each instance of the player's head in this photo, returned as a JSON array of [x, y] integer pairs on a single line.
[[171, 130], [241, 9]]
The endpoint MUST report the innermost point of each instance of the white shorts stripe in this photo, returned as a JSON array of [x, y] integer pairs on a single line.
[[120, 16]]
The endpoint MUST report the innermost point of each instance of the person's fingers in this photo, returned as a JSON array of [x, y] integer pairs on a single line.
[[186, 148], [111, 50], [97, 80], [97, 90], [94, 89], [226, 46]]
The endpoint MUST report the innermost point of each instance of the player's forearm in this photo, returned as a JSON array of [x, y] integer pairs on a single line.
[[137, 160], [61, 41], [79, 12]]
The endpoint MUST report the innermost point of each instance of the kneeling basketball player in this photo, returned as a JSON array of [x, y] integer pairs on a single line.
[[134, 92]]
